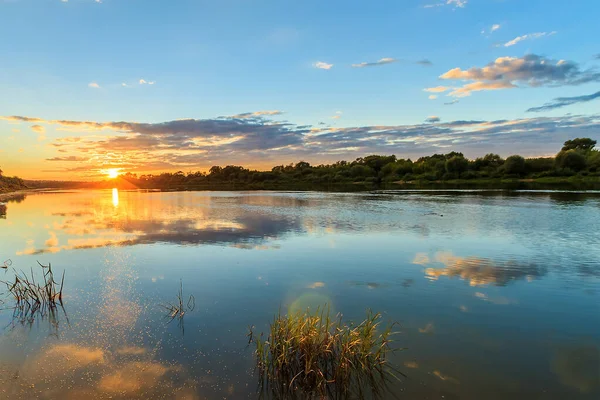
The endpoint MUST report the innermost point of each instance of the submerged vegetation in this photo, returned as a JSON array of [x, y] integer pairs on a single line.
[[35, 296], [309, 356]]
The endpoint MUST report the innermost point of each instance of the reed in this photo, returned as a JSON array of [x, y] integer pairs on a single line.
[[35, 296], [177, 309], [308, 356]]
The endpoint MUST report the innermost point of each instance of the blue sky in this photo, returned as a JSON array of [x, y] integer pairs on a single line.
[[83, 61]]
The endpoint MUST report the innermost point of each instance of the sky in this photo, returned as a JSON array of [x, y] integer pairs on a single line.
[[149, 86]]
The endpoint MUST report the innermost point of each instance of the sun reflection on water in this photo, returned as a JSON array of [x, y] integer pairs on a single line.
[[115, 197]]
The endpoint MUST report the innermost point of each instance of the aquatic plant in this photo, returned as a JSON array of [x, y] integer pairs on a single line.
[[35, 297], [178, 309], [311, 355]]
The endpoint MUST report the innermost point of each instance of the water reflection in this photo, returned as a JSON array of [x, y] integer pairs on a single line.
[[444, 278], [477, 271], [76, 371], [115, 197]]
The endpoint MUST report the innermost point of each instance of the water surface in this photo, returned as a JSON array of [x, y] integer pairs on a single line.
[[497, 293]]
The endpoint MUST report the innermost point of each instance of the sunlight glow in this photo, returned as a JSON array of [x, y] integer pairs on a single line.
[[112, 173]]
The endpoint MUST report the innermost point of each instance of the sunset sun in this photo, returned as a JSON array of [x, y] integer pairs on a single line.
[[112, 173]]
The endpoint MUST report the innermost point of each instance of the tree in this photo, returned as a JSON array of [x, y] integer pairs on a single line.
[[514, 165], [571, 159], [215, 170], [584, 144], [457, 164], [1, 172]]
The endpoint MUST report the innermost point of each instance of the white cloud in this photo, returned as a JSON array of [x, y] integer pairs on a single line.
[[453, 3], [257, 114], [536, 35], [433, 97], [527, 71], [144, 82], [322, 65], [94, 85], [124, 84], [495, 27], [437, 89], [383, 61]]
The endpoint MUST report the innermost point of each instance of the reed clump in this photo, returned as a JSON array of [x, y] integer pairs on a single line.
[[309, 356], [35, 296]]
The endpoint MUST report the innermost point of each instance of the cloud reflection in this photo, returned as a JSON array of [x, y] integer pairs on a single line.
[[477, 271], [98, 373]]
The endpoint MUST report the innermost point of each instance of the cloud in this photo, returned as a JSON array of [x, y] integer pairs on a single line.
[[451, 102], [565, 101], [527, 71], [382, 61], [94, 85], [195, 144], [424, 62], [492, 29], [257, 114], [433, 96], [529, 36], [469, 88], [454, 3], [52, 241], [69, 158], [41, 131], [437, 89], [144, 82], [38, 128], [432, 119], [322, 65], [338, 115], [597, 56]]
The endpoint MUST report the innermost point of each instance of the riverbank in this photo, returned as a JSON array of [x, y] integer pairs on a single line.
[[11, 184], [558, 183]]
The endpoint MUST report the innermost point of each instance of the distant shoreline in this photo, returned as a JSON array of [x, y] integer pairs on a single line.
[[546, 183]]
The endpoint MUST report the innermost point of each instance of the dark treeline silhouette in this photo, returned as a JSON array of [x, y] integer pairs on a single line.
[[577, 158], [10, 184]]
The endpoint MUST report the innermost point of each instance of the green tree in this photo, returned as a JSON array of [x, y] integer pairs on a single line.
[[593, 160], [584, 144], [457, 165], [514, 165], [571, 159], [360, 171]]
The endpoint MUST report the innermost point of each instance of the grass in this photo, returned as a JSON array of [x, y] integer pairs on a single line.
[[178, 309], [315, 356], [33, 296]]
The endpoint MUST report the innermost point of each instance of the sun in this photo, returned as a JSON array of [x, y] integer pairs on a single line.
[[112, 173]]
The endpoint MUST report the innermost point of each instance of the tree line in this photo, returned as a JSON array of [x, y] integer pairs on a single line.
[[578, 157], [10, 183]]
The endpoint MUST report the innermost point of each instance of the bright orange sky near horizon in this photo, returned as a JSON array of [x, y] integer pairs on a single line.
[[85, 150]]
